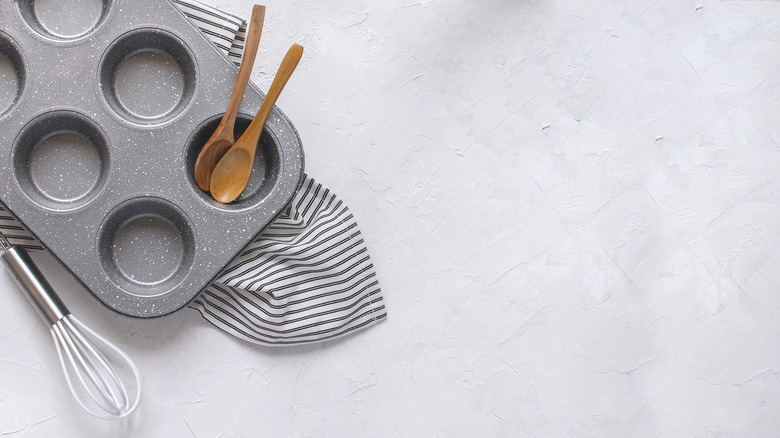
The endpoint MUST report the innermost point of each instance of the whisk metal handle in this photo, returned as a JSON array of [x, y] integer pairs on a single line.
[[34, 284]]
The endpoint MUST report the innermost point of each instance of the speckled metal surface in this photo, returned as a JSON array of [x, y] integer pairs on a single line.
[[99, 132]]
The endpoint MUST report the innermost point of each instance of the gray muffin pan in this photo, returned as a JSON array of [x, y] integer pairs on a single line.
[[104, 106]]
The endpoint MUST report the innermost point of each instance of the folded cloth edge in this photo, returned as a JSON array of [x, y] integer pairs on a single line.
[[307, 278]]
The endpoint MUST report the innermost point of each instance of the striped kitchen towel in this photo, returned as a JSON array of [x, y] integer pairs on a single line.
[[307, 278]]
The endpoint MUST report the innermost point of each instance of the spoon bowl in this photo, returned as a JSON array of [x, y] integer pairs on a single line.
[[222, 139], [232, 173]]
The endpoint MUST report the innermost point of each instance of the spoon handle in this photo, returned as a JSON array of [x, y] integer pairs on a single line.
[[286, 69], [255, 29]]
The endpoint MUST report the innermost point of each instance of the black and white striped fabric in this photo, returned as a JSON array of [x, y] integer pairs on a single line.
[[15, 232], [307, 278], [226, 31]]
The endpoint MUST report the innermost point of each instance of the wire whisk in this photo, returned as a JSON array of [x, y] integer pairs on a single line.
[[86, 357]]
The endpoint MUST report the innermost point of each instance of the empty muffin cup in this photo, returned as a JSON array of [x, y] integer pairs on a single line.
[[61, 160], [146, 246], [12, 73], [265, 172], [147, 76], [64, 20]]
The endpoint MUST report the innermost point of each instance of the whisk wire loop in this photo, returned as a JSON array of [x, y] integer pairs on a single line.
[[93, 371], [100, 366], [64, 351], [87, 367]]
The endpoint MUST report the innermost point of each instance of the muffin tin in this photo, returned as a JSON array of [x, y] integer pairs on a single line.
[[104, 106]]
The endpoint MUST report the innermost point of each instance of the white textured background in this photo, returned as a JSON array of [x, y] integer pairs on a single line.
[[573, 208]]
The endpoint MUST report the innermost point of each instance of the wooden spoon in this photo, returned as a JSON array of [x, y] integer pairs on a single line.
[[233, 170], [222, 139]]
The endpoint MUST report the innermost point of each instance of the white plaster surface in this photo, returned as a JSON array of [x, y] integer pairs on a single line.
[[574, 212]]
